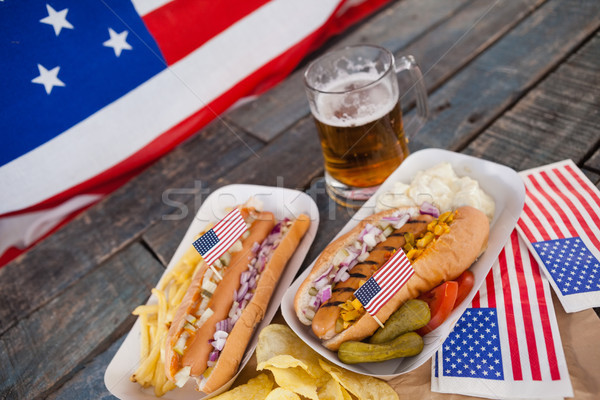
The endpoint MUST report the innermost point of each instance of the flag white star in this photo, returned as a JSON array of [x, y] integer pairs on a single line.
[[58, 19], [118, 41], [48, 78]]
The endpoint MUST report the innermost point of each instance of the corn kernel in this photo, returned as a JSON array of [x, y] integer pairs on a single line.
[[425, 240], [444, 217], [439, 229], [357, 304], [431, 225]]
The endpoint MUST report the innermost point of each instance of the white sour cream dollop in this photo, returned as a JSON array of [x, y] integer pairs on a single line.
[[440, 186]]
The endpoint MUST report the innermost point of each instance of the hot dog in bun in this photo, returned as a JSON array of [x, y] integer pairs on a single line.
[[440, 248], [216, 319]]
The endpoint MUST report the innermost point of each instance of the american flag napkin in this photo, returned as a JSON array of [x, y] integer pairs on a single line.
[[507, 343], [561, 225]]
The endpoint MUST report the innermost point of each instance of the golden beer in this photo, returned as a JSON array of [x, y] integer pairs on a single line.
[[364, 155], [354, 98]]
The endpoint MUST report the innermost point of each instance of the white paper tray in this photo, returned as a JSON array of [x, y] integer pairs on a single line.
[[283, 203], [506, 188]]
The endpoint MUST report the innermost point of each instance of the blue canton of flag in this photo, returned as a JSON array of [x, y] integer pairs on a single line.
[[57, 53], [473, 347], [367, 291], [206, 242], [571, 265], [214, 243]]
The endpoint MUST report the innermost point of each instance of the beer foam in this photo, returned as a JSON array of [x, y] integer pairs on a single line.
[[357, 107]]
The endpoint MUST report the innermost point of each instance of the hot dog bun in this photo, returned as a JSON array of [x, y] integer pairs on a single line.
[[198, 347], [302, 298], [444, 259], [234, 349]]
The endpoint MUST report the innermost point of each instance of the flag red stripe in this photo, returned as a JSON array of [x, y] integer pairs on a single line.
[[535, 223], [513, 341], [181, 26], [491, 290], [390, 281], [386, 293], [392, 269], [577, 191], [556, 231], [534, 359], [544, 316], [476, 302], [397, 268], [222, 246], [575, 207], [555, 211], [583, 183], [379, 301]]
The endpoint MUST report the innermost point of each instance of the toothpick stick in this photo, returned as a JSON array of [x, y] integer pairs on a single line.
[[378, 321], [216, 272]]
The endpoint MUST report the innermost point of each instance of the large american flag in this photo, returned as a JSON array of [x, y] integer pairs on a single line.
[[385, 282], [561, 224], [507, 343], [92, 91], [214, 243]]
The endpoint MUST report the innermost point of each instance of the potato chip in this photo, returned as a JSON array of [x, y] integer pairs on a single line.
[[297, 380], [362, 386], [256, 389], [283, 361], [275, 340], [333, 391], [282, 394]]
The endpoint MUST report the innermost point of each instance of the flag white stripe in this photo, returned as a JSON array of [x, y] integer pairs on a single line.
[[539, 213], [223, 245], [547, 208], [535, 313], [585, 215], [524, 355], [389, 291], [563, 206], [144, 7]]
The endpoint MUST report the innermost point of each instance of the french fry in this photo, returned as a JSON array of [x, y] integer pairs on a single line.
[[155, 320]]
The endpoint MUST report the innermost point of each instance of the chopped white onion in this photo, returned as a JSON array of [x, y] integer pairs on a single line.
[[370, 240], [182, 376], [237, 246], [205, 315], [363, 256]]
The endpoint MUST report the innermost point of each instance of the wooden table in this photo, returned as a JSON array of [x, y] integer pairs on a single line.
[[516, 82]]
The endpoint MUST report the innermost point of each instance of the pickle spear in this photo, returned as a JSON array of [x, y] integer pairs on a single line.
[[407, 345], [413, 314]]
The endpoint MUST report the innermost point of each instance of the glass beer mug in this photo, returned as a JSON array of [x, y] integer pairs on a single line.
[[355, 100]]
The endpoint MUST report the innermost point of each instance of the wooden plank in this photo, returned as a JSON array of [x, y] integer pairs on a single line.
[[491, 83], [594, 161], [460, 39], [104, 229], [298, 168], [592, 176], [88, 383], [47, 347], [399, 24], [552, 122]]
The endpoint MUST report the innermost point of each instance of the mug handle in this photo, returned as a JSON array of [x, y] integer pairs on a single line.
[[408, 63]]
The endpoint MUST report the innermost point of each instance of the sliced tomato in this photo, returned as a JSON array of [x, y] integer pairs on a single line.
[[465, 281], [441, 302]]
